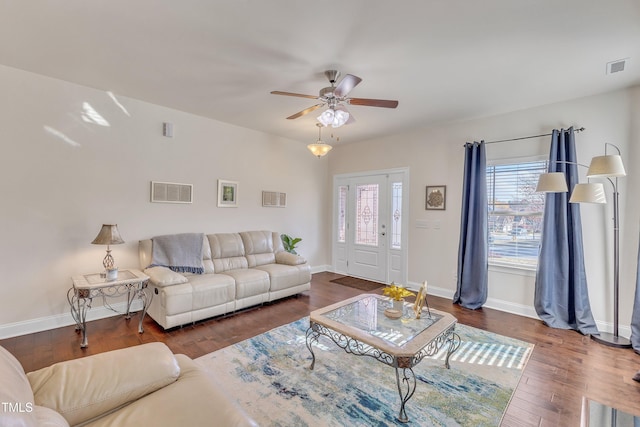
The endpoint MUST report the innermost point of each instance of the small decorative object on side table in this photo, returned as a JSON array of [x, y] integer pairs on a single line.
[[132, 283]]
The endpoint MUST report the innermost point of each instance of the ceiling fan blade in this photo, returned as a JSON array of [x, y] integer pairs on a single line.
[[347, 83], [299, 95], [306, 111], [386, 103]]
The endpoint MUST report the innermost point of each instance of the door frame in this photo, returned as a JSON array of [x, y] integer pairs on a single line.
[[338, 179]]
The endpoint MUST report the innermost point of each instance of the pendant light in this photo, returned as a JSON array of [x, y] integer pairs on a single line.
[[319, 148]]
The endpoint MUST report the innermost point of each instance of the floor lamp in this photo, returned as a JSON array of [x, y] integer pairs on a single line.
[[609, 166]]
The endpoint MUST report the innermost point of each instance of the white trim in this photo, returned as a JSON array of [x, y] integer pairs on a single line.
[[60, 320], [512, 269], [494, 303]]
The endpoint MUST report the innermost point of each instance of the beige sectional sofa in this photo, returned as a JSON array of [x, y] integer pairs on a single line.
[[145, 385], [239, 270]]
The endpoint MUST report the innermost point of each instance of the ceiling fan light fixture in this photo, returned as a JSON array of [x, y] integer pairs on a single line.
[[333, 117], [326, 118], [340, 117]]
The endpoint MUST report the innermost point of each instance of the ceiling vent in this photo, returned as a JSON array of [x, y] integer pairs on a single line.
[[617, 66]]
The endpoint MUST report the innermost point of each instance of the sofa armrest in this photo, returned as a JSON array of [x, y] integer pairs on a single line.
[[289, 258], [86, 388], [163, 276]]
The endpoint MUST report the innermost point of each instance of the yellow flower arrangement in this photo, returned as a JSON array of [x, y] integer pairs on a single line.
[[397, 292]]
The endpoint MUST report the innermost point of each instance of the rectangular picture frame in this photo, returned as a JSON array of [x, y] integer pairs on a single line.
[[227, 194], [436, 197]]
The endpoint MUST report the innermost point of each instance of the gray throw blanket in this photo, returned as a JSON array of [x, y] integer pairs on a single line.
[[179, 252]]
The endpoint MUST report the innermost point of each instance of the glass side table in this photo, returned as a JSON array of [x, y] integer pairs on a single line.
[[132, 283]]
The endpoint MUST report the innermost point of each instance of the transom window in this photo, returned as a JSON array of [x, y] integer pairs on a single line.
[[515, 213]]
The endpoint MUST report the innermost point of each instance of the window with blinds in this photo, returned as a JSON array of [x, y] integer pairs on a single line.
[[515, 213]]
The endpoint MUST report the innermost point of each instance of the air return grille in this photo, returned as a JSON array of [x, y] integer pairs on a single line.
[[617, 66], [274, 199], [171, 192]]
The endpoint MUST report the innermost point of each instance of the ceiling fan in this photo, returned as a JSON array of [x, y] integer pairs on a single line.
[[335, 97]]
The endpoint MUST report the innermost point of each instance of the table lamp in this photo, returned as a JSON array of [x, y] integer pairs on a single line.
[[108, 235]]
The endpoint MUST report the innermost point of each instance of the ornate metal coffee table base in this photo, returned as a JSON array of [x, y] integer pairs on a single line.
[[405, 377]]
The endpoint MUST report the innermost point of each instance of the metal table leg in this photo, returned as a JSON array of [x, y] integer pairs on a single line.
[[406, 388]]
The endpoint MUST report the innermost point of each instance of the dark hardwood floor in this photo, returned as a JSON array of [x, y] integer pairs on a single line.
[[564, 366]]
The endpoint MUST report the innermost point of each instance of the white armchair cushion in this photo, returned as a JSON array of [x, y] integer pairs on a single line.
[[85, 388], [162, 276], [46, 417], [16, 391]]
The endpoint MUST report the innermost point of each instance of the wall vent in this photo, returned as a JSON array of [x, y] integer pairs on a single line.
[[171, 192], [617, 66], [274, 199]]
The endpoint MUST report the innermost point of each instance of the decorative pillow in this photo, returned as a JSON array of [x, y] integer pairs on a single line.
[[162, 276], [289, 259]]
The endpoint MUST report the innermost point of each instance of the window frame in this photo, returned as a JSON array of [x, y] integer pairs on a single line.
[[505, 266]]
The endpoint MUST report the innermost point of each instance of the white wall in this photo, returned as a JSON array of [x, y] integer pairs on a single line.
[[435, 156], [62, 177]]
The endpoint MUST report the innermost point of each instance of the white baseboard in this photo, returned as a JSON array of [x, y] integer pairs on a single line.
[[60, 320], [321, 269], [519, 309]]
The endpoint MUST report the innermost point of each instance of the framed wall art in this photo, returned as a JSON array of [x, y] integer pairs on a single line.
[[227, 194], [436, 197]]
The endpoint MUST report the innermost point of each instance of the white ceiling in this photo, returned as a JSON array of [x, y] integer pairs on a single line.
[[443, 60]]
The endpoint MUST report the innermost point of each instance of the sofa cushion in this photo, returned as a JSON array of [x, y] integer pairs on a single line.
[[286, 276], [18, 394], [227, 252], [249, 282], [46, 417], [195, 399], [162, 276], [82, 389], [210, 290], [258, 247]]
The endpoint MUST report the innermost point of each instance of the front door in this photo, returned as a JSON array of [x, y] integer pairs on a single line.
[[368, 236]]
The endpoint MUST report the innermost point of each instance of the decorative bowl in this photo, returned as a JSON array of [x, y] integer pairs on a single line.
[[392, 313]]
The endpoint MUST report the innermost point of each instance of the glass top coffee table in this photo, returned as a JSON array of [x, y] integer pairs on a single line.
[[359, 326]]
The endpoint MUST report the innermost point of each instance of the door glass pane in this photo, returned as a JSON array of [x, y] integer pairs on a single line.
[[396, 216], [342, 214], [367, 215]]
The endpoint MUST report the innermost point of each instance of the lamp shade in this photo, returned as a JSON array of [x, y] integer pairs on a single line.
[[108, 235], [319, 148], [552, 182], [603, 166], [592, 192]]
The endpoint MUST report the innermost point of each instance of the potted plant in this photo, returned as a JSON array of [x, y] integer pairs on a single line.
[[397, 294], [290, 243]]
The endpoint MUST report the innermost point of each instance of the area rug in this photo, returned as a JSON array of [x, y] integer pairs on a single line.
[[354, 282], [269, 377]]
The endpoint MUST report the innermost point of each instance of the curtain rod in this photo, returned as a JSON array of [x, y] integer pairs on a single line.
[[528, 137]]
